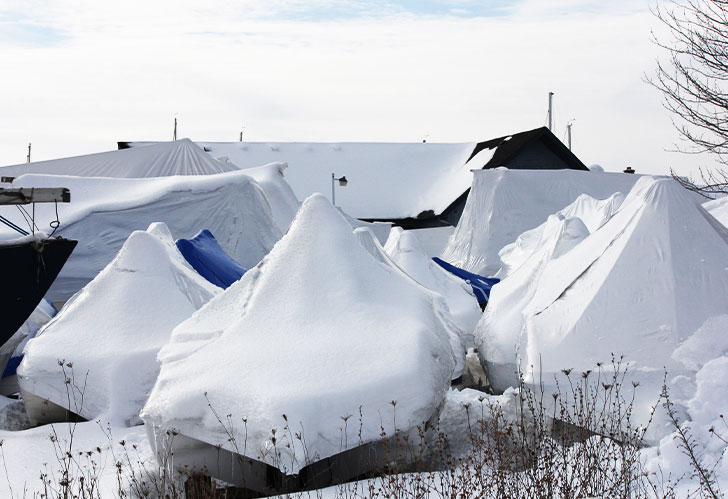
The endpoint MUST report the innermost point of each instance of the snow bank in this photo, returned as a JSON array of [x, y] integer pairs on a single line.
[[639, 285], [719, 209], [317, 331], [112, 330], [405, 250], [104, 211], [504, 203]]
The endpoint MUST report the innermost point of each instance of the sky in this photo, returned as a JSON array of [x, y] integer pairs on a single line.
[[80, 75]]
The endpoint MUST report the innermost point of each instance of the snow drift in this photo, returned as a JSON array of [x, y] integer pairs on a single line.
[[110, 333], [504, 203], [104, 211], [638, 285], [318, 330]]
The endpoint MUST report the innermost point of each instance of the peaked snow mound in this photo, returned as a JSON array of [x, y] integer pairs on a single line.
[[164, 159], [104, 211], [719, 209], [504, 203], [317, 330], [639, 285], [459, 338], [405, 250], [112, 330]]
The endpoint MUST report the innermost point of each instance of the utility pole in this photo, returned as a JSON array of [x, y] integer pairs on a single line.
[[174, 135], [551, 109], [28, 152]]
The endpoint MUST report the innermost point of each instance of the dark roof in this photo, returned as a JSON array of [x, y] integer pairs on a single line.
[[509, 145]]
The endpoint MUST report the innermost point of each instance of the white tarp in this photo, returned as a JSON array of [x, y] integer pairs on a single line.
[[639, 285], [316, 332], [104, 211], [163, 159], [108, 336], [504, 203]]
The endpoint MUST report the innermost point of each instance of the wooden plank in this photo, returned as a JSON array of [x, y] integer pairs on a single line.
[[27, 195]]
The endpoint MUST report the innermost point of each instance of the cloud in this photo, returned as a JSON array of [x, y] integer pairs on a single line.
[[393, 75]]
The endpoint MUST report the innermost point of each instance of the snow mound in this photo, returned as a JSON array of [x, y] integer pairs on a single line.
[[318, 330], [459, 338], [504, 203], [405, 250], [639, 285], [110, 333], [719, 209], [105, 211]]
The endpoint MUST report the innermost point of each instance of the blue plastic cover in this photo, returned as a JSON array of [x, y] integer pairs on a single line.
[[481, 285], [209, 259]]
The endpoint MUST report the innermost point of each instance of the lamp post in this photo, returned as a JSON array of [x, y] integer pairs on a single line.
[[342, 182]]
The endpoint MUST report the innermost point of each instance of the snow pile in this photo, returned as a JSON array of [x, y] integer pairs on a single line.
[[163, 159], [104, 211], [719, 209], [318, 330], [405, 250], [112, 330], [11, 352], [460, 338], [638, 285], [504, 203]]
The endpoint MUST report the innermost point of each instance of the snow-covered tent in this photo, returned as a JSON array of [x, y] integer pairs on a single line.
[[162, 159], [638, 285], [108, 336], [317, 333], [504, 203], [104, 211]]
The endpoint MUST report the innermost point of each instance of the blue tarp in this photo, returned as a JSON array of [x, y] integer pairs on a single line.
[[16, 358], [481, 285], [209, 259]]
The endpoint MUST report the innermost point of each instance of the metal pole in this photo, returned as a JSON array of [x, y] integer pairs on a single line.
[[28, 152], [333, 193], [174, 135], [551, 109]]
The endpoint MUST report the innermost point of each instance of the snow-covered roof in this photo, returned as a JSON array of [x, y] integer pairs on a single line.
[[104, 211], [111, 331], [318, 331], [162, 159], [504, 203]]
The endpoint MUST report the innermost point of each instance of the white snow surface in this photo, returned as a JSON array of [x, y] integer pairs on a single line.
[[459, 337], [386, 180], [103, 212], [504, 203], [111, 331], [639, 285], [405, 250], [162, 159], [317, 330], [719, 209]]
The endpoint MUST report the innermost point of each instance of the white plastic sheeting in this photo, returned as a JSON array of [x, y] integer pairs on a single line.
[[163, 159], [504, 203], [110, 333], [104, 211], [639, 285], [318, 330]]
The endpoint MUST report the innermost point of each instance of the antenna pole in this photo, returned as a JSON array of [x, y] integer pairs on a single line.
[[551, 109], [28, 152], [333, 192], [174, 135], [568, 130]]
